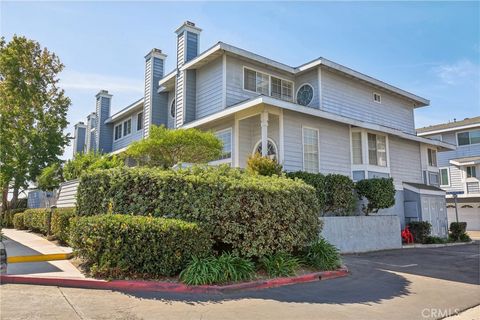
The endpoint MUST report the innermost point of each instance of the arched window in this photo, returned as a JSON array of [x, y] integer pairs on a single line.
[[172, 109], [272, 151]]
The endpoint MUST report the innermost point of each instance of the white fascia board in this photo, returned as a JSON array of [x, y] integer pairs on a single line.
[[119, 150], [424, 191], [318, 113], [466, 163], [168, 77], [468, 126], [200, 57], [125, 111]]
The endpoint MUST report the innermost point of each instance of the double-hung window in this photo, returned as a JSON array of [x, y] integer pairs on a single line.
[[310, 150], [118, 131], [357, 157], [226, 137], [281, 89], [432, 157], [140, 121], [377, 150], [471, 172], [268, 85], [127, 127], [444, 177]]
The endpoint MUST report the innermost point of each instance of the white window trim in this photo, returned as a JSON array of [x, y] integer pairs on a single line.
[[121, 131], [260, 141], [269, 82], [366, 166], [123, 122], [464, 145], [226, 160], [298, 89], [141, 112], [379, 95], [435, 167], [172, 103], [303, 147], [440, 176], [122, 136]]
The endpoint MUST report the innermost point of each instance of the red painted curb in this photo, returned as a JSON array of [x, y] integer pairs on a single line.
[[158, 286]]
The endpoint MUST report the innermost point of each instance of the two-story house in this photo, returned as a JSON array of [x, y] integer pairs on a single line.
[[459, 169], [317, 117]]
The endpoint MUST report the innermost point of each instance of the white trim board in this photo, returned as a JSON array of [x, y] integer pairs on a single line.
[[423, 191]]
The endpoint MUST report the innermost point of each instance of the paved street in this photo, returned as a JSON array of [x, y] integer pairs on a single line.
[[399, 284]]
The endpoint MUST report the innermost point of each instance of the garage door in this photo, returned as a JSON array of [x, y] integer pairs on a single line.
[[469, 213]]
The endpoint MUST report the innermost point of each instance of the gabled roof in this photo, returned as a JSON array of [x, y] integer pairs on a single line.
[[124, 111], [450, 126], [221, 47]]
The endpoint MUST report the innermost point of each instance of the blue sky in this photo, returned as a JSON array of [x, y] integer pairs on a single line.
[[429, 48]]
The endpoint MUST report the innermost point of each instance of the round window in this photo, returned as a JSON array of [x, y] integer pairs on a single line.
[[172, 109], [271, 149], [305, 95]]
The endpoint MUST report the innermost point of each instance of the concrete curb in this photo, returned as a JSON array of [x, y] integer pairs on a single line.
[[435, 245], [39, 257], [158, 286]]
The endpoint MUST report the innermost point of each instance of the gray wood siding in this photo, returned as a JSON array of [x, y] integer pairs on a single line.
[[353, 99], [158, 103], [134, 136], [67, 197], [310, 77], [455, 179], [405, 161], [190, 95], [79, 141], [235, 92], [179, 99], [334, 143], [209, 89], [180, 49], [104, 131], [147, 118], [192, 45], [171, 121], [449, 137]]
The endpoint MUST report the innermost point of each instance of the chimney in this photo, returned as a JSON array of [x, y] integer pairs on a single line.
[[152, 105], [79, 138], [91, 140], [104, 133], [188, 38]]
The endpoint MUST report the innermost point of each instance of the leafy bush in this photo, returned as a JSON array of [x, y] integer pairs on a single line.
[[322, 255], [420, 230], [7, 217], [316, 180], [50, 177], [36, 220], [18, 222], [226, 268], [340, 199], [434, 240], [379, 193], [250, 215], [88, 162], [264, 166], [60, 224], [166, 147], [457, 230], [280, 264], [134, 246]]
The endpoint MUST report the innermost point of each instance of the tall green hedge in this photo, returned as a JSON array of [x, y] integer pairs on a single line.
[[121, 246], [252, 215], [37, 220], [7, 217]]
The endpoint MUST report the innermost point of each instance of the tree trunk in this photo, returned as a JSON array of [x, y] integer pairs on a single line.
[[4, 198], [16, 190]]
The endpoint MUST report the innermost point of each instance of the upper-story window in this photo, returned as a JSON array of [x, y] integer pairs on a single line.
[[377, 97], [468, 137], [377, 150], [127, 127], [140, 121], [444, 176], [310, 150], [305, 94], [118, 131], [471, 172], [432, 157], [172, 109], [267, 84]]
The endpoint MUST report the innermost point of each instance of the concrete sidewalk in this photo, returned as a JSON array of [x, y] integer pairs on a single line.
[[24, 243]]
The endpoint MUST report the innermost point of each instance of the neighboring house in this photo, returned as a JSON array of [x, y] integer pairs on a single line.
[[460, 168], [318, 117]]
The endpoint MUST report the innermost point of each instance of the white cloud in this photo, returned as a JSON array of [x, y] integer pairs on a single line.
[[75, 80], [457, 72]]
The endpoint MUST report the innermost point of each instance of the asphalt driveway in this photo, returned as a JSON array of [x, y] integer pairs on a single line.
[[399, 284]]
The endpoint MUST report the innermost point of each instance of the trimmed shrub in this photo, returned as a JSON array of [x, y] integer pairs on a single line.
[[250, 215], [340, 199], [225, 268], [119, 246], [264, 166], [60, 224], [434, 240], [36, 220], [280, 264], [7, 217], [379, 193], [316, 180], [322, 255], [458, 232], [420, 230], [18, 222]]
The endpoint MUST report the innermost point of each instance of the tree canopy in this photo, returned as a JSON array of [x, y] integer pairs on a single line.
[[33, 112], [87, 162], [165, 147]]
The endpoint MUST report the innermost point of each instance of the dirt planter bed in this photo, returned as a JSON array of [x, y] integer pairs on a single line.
[[159, 286]]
